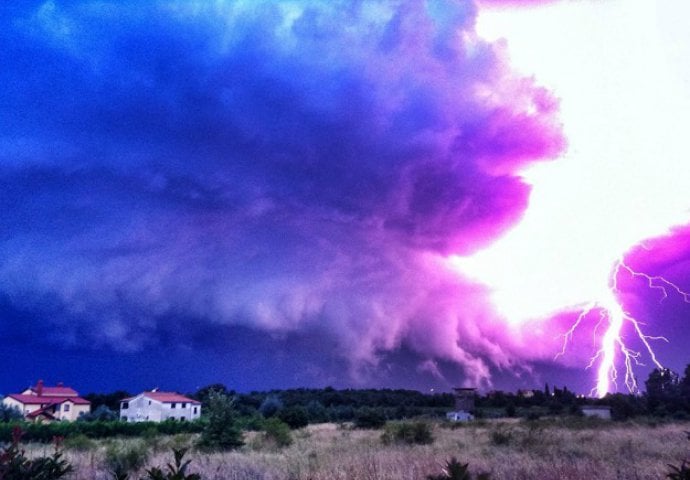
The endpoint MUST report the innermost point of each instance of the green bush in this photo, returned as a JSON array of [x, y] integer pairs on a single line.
[[369, 418], [45, 432], [295, 417], [222, 431], [10, 414], [277, 432], [419, 433]]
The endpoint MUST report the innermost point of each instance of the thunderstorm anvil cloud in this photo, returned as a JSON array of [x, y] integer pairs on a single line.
[[283, 166]]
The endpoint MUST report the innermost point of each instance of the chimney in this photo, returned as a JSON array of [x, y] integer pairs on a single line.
[[39, 388]]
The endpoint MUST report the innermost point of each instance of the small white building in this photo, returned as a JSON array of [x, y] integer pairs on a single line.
[[598, 411], [459, 416], [155, 406]]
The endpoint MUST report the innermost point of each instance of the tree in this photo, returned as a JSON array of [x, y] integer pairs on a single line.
[[9, 414], [271, 405], [101, 414], [222, 431], [662, 390]]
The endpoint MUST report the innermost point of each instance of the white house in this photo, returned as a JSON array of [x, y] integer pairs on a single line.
[[155, 406], [40, 403], [597, 411], [459, 416]]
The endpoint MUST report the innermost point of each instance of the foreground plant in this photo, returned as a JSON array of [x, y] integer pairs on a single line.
[[14, 465], [455, 470], [176, 471], [681, 472]]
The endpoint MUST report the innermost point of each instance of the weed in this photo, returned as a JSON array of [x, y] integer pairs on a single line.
[[455, 470], [176, 471], [14, 465]]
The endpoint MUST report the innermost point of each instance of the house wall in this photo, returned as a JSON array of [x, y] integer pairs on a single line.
[[72, 412], [142, 409]]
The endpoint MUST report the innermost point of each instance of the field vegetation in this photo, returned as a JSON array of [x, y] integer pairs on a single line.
[[564, 448]]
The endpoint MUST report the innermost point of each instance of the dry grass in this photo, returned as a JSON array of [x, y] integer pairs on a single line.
[[508, 450]]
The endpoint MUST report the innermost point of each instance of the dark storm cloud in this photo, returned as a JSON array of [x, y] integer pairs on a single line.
[[283, 166]]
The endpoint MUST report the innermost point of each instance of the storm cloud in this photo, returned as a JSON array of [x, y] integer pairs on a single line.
[[293, 168]]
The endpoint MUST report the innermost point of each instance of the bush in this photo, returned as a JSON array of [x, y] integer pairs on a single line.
[[222, 431], [410, 433], [14, 465], [369, 418], [277, 432], [295, 417], [271, 406], [100, 414], [10, 414]]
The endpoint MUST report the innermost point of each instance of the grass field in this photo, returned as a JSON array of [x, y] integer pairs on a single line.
[[505, 449]]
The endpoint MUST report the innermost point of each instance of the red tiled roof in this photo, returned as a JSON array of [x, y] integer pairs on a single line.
[[36, 400], [58, 392], [165, 397], [41, 411]]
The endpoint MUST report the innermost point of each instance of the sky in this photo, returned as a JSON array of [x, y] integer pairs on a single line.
[[274, 194]]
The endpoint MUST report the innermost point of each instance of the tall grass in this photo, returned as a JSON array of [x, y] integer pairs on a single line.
[[531, 450]]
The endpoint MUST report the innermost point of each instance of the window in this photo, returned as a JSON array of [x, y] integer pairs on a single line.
[[147, 418], [149, 402], [124, 419], [182, 419], [173, 405], [184, 405], [66, 407], [195, 410], [125, 405]]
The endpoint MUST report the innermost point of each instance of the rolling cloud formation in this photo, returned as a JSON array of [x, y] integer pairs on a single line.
[[284, 166]]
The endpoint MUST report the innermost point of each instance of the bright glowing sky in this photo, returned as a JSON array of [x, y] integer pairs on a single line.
[[621, 73], [271, 191]]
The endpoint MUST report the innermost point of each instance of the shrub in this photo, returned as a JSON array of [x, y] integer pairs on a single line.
[[369, 418], [455, 470], [10, 414], [278, 432], [222, 430], [14, 465], [271, 406], [295, 417], [100, 414], [411, 433], [501, 436]]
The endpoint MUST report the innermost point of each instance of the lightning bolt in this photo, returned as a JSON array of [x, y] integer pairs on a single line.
[[612, 313]]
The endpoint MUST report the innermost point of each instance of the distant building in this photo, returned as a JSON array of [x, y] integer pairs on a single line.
[[464, 405], [46, 404], [155, 406], [599, 411], [461, 416], [525, 393]]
